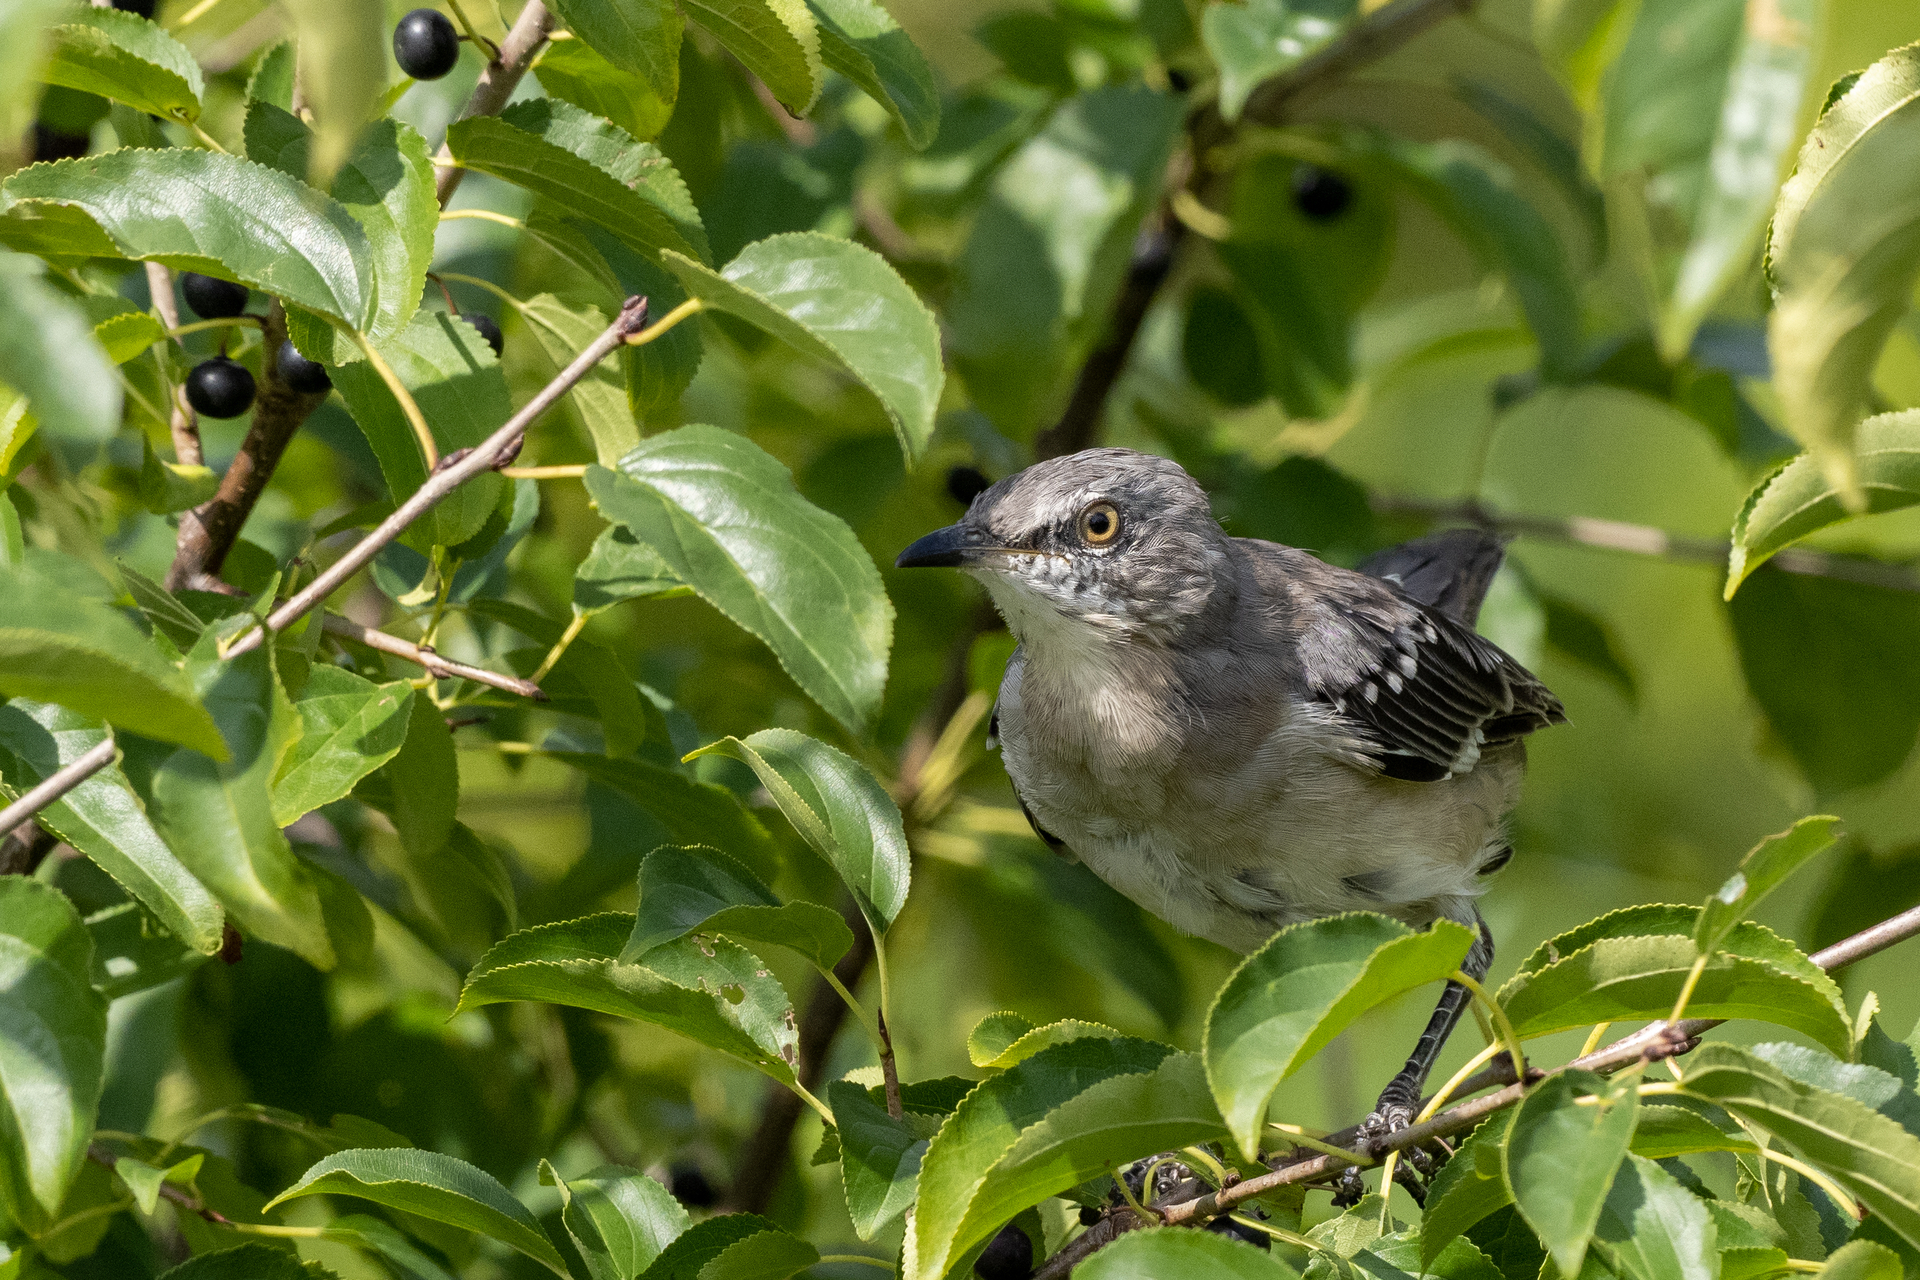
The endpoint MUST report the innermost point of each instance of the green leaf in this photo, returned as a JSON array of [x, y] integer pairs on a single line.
[[24, 48], [1460, 1260], [619, 567], [425, 777], [1865, 1152], [1798, 500], [244, 1262], [49, 353], [197, 211], [379, 1237], [1071, 197], [1766, 865], [725, 517], [344, 47], [879, 1156], [59, 647], [1861, 1260], [600, 398], [1578, 636], [349, 728], [692, 812], [456, 380], [839, 302], [777, 40], [590, 167], [1805, 644], [1755, 941], [387, 185], [696, 889], [126, 58], [1877, 1088], [680, 988], [272, 78], [1257, 40], [1556, 155], [839, 808], [437, 1187], [1028, 1043], [986, 1127], [133, 951], [1843, 252], [1168, 1253], [53, 1031], [860, 40], [1652, 1228], [1288, 999], [1469, 1188], [993, 1035], [639, 99], [103, 818], [1664, 1132], [619, 1218], [637, 37], [695, 1253], [166, 487], [218, 817], [765, 1255], [1560, 1158]]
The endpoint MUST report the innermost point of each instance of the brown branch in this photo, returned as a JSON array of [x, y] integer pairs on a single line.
[[24, 848], [424, 656], [1640, 539], [58, 783], [184, 424], [497, 83], [208, 532], [168, 1191]]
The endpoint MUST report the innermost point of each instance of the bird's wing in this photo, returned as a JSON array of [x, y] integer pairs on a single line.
[[1423, 688], [1448, 571]]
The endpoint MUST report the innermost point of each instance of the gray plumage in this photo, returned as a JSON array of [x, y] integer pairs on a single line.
[[1233, 733]]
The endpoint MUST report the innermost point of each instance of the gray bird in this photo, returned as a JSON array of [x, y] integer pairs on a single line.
[[1237, 735]]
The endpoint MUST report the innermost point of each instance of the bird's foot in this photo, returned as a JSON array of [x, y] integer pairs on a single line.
[[1389, 1117]]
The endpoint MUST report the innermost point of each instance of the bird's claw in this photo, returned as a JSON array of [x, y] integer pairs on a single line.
[[1387, 1119]]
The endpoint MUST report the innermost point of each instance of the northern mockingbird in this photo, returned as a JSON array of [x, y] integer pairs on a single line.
[[1237, 735]]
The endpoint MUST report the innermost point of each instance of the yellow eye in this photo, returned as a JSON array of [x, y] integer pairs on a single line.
[[1100, 524]]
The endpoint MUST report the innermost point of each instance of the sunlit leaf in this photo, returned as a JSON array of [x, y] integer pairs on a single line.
[[600, 398], [777, 40], [1168, 1253], [860, 40], [350, 727], [639, 38], [48, 352], [619, 1218], [126, 58], [1560, 1158], [1763, 869], [701, 890]]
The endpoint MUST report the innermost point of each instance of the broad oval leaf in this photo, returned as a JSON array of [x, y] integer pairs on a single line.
[[640, 38], [842, 303], [638, 100], [1843, 252], [879, 1156], [127, 58], [600, 398], [1169, 1253], [197, 211], [701, 890], [1256, 41], [620, 567], [53, 1032], [387, 185], [439, 1187], [1652, 1228], [58, 647], [1288, 999], [104, 818], [837, 807], [1759, 874], [1798, 499], [349, 727], [994, 1034], [1560, 1157], [1865, 1152], [49, 355], [860, 40], [713, 991], [619, 1218], [1862, 1260], [777, 40], [725, 517], [590, 167], [1469, 1187], [988, 1123]]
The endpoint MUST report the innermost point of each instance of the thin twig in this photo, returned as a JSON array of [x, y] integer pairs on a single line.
[[183, 424], [58, 783], [497, 83], [423, 655]]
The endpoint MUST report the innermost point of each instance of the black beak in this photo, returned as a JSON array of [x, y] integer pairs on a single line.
[[946, 548]]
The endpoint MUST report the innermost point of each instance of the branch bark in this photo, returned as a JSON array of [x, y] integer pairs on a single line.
[[497, 83], [58, 783], [424, 656]]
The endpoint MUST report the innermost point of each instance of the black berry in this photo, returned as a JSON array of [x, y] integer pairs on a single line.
[[1009, 1256], [425, 44], [1239, 1231], [690, 1186], [1089, 1215], [309, 377], [219, 388], [488, 329], [211, 298], [964, 484], [1320, 194], [142, 7], [1178, 80], [51, 144]]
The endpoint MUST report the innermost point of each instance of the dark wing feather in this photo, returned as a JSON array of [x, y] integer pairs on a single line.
[[1448, 571]]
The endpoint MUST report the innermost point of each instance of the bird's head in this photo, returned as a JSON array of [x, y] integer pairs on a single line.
[[1111, 539]]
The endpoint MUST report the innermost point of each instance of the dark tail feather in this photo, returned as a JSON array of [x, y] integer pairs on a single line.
[[1448, 571]]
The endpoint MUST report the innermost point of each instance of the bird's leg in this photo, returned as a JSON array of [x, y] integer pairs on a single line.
[[1400, 1100]]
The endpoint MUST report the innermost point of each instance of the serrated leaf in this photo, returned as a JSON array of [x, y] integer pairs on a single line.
[[879, 1156], [56, 646], [242, 1262], [103, 818], [1663, 1132], [839, 302], [383, 1239], [987, 1125], [343, 48], [619, 1218], [435, 1186], [696, 889], [1760, 872], [1169, 1253], [51, 1049], [1257, 40], [637, 38], [687, 987], [689, 1256], [839, 808], [860, 40], [620, 567], [725, 517], [1861, 1260], [272, 78], [387, 185], [127, 58], [1652, 1228], [350, 727], [1560, 1158], [456, 380], [1874, 1087], [777, 40], [765, 1255], [1865, 1152], [993, 1035], [590, 167], [197, 211], [1469, 1188], [1843, 252], [692, 812], [600, 398], [1288, 999], [1033, 1041], [49, 353]]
